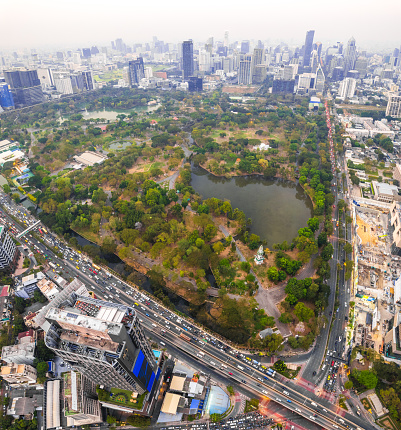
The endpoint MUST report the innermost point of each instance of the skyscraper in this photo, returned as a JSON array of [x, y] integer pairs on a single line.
[[9, 253], [245, 47], [104, 341], [347, 88], [6, 97], [319, 82], [226, 39], [25, 87], [245, 72], [308, 47], [187, 59], [350, 56], [136, 71]]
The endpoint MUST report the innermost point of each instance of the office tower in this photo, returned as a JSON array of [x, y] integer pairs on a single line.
[[88, 81], [187, 59], [86, 52], [361, 64], [308, 47], [136, 71], [257, 58], [394, 105], [102, 340], [338, 74], [204, 61], [283, 86], [120, 45], [259, 74], [319, 49], [113, 45], [195, 84], [314, 61], [46, 78], [320, 79], [62, 82], [94, 50], [6, 97], [245, 47], [9, 253], [350, 56], [353, 74], [25, 87], [59, 55], [245, 72], [347, 88], [226, 39]]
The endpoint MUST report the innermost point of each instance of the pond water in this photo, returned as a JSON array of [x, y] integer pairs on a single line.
[[276, 207]]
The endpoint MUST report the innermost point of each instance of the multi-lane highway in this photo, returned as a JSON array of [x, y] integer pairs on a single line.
[[168, 329]]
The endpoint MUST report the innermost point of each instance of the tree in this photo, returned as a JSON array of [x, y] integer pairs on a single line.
[[111, 420], [313, 223], [302, 312], [348, 385], [280, 366], [348, 248], [39, 297], [138, 421], [367, 378], [42, 368]]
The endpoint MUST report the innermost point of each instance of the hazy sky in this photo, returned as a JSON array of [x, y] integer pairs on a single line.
[[81, 23]]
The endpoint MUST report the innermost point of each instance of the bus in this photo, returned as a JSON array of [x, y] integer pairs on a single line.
[[45, 231], [97, 267], [40, 231], [185, 337]]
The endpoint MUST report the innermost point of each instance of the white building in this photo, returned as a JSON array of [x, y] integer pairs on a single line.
[[22, 353], [347, 88], [63, 83], [394, 106]]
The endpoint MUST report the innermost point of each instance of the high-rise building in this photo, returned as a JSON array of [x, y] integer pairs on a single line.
[[89, 83], [245, 47], [187, 59], [136, 71], [120, 46], [25, 87], [308, 47], [283, 86], [46, 78], [361, 64], [104, 341], [59, 55], [347, 88], [9, 253], [320, 79], [86, 52], [195, 84], [394, 105], [6, 97], [245, 72], [314, 62], [350, 56], [226, 39]]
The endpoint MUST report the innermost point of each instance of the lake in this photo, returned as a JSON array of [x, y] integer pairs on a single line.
[[278, 208]]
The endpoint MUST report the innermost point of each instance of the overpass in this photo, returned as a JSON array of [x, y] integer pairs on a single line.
[[31, 227]]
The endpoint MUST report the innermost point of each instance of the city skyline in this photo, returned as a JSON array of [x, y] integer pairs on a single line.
[[174, 22]]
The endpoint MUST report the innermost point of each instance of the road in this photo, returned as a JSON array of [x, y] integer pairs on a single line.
[[162, 325]]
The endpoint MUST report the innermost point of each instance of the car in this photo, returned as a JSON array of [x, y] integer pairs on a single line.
[[314, 373], [230, 373]]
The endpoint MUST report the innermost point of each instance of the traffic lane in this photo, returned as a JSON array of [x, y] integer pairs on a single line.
[[231, 372]]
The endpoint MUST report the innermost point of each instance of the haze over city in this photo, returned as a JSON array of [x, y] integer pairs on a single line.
[[70, 23]]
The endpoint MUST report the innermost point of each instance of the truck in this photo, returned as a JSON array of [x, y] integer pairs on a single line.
[[185, 337]]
